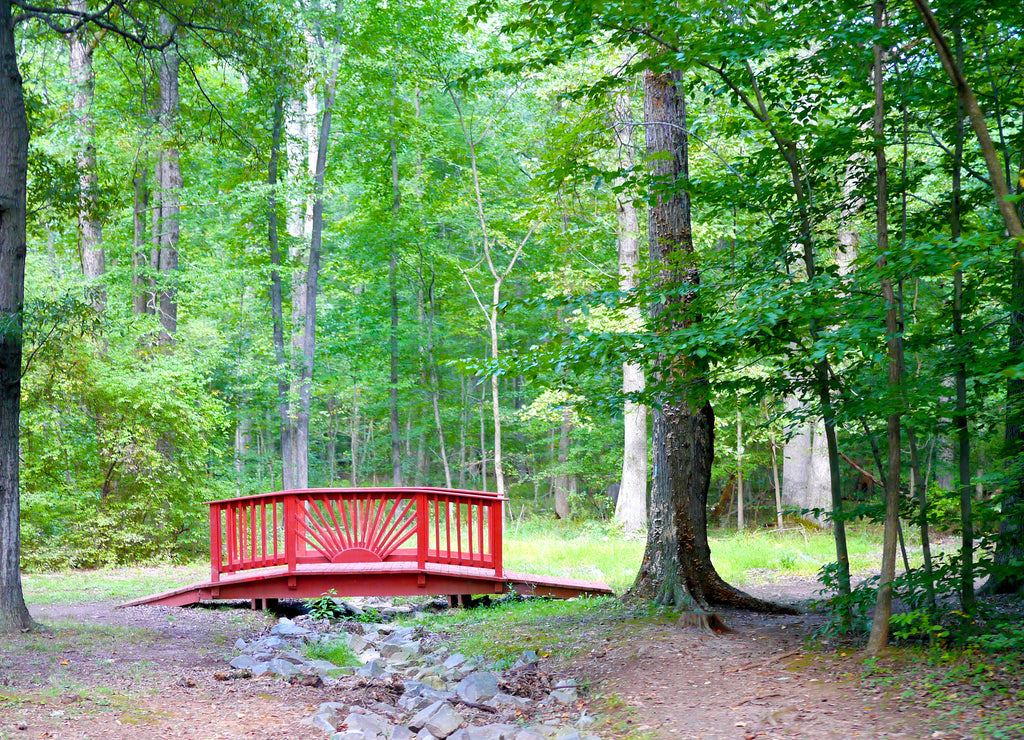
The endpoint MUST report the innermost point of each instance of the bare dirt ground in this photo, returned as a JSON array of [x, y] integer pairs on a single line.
[[148, 672]]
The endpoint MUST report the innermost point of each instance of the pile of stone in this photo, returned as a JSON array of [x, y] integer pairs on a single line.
[[432, 694]]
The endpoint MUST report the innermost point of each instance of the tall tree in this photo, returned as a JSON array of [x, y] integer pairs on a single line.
[[677, 568], [14, 614]]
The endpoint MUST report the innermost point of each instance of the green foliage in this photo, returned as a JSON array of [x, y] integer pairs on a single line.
[[335, 651], [324, 606]]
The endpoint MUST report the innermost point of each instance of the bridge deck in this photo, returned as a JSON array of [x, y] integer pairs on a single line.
[[372, 579], [361, 542]]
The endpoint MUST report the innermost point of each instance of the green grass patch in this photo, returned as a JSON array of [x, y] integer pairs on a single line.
[[335, 651], [597, 551], [121, 584]]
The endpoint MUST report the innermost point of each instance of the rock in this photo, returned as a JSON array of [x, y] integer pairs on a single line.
[[373, 669], [568, 733], [368, 656], [320, 722], [273, 642], [240, 644], [528, 656], [566, 683], [322, 666], [260, 668], [439, 719], [444, 721], [370, 724], [332, 710], [454, 661], [287, 628], [424, 735], [585, 721], [502, 700], [357, 643], [529, 735], [242, 662], [563, 696], [477, 688], [486, 732], [545, 731], [402, 733], [282, 668]]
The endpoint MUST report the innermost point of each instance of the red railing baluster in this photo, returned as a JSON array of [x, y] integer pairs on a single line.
[[497, 523], [422, 529], [215, 554], [290, 527]]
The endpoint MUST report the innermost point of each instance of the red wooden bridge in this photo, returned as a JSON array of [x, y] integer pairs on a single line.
[[361, 542]]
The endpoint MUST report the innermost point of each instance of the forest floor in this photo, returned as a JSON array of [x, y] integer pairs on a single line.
[[148, 672]]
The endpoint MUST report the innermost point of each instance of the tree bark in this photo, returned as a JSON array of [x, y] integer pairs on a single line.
[[396, 204], [169, 182], [879, 636], [565, 483], [14, 614], [631, 505], [140, 239], [90, 228], [677, 568], [277, 297]]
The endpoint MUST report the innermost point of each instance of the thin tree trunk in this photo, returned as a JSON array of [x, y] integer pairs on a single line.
[[169, 183], [277, 301], [14, 614], [140, 259], [90, 228], [396, 449], [631, 505], [740, 521], [883, 606], [354, 435], [312, 279], [564, 482]]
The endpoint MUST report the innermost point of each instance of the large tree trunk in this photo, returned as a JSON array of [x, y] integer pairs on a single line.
[[14, 614], [631, 505], [90, 229], [677, 568]]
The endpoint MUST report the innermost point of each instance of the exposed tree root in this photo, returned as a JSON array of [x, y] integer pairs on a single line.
[[707, 621]]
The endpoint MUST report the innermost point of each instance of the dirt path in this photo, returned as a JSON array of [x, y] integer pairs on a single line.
[[147, 672]]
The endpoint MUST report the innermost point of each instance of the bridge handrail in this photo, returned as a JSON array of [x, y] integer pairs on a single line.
[[330, 525]]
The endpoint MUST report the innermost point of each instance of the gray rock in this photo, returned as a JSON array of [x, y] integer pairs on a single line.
[[545, 731], [419, 721], [444, 721], [413, 688], [402, 733], [528, 656], [332, 710], [486, 732], [373, 669], [368, 656], [454, 661], [320, 722], [240, 644], [287, 628], [348, 735], [529, 735], [568, 733], [477, 687], [272, 642], [243, 661], [260, 668], [322, 666], [292, 657], [502, 700], [564, 696], [282, 668], [585, 721], [372, 725], [357, 643], [425, 735], [566, 683]]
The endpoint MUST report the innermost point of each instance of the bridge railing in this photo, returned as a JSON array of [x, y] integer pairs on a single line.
[[353, 525]]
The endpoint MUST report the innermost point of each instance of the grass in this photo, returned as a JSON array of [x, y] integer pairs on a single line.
[[121, 584], [595, 551], [335, 651]]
